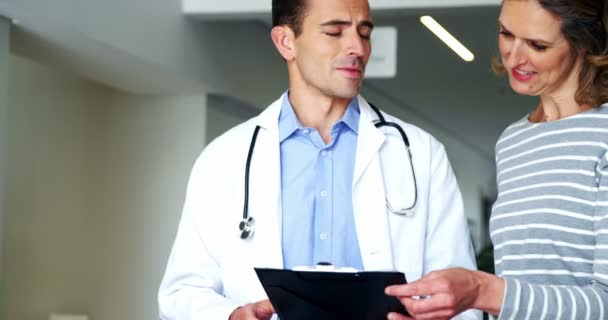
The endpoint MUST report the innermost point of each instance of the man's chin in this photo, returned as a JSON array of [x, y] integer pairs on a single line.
[[346, 93]]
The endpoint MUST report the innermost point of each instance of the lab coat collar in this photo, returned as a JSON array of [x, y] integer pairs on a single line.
[[269, 118], [370, 139], [368, 144]]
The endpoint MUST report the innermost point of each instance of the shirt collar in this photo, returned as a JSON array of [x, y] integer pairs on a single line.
[[289, 123], [351, 115]]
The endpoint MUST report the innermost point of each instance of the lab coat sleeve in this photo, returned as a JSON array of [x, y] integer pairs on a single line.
[[191, 287], [448, 240]]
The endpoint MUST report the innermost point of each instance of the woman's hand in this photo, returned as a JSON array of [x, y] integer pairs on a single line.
[[444, 294]]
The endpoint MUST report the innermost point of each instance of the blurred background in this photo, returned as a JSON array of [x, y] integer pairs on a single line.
[[105, 105]]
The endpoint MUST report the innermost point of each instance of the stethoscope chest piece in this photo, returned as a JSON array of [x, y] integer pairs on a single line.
[[247, 227]]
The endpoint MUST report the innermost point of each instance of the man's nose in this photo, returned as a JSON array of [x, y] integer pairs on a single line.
[[357, 45]]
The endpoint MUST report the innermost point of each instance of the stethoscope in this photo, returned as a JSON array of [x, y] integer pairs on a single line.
[[247, 225]]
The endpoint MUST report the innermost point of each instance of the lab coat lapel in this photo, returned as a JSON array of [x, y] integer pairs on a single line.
[[368, 195], [265, 188], [369, 142]]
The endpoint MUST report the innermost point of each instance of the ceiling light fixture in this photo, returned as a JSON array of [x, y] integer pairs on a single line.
[[447, 38]]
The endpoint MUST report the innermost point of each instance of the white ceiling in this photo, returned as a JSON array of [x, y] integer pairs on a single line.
[[246, 9]]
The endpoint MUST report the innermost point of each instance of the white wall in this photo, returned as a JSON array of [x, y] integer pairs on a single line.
[[95, 186]]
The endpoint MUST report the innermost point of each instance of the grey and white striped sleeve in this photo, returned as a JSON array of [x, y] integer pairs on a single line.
[[524, 301]]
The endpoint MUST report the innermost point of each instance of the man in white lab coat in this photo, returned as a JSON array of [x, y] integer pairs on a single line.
[[324, 183]]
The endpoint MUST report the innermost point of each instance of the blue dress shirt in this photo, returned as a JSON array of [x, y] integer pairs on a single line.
[[316, 188]]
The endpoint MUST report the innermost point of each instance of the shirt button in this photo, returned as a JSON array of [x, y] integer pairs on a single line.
[[322, 236], [323, 193], [324, 153], [306, 131]]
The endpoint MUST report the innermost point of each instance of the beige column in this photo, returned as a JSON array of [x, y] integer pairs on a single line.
[[5, 26]]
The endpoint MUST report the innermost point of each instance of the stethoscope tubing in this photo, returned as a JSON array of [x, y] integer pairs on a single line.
[[247, 224], [382, 123], [247, 168]]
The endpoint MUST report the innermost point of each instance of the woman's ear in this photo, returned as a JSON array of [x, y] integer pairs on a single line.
[[283, 39]]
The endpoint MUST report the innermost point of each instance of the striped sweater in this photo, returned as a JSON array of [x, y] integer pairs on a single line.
[[549, 224]]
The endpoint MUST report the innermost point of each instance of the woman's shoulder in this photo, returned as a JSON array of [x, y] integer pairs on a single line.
[[594, 117], [513, 130]]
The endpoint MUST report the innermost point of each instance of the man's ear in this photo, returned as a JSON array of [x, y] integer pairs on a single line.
[[283, 39]]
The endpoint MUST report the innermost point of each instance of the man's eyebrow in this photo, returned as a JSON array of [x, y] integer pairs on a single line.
[[337, 22]]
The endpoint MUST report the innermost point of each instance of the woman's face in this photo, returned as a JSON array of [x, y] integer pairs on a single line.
[[535, 53]]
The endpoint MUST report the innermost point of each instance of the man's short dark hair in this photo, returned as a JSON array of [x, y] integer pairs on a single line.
[[289, 13]]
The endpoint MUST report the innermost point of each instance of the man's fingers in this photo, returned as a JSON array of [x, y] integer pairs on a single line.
[[265, 305], [263, 309]]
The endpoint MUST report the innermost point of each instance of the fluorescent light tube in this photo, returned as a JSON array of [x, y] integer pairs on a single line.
[[447, 38]]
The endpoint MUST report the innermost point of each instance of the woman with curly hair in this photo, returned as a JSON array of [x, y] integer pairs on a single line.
[[549, 225]]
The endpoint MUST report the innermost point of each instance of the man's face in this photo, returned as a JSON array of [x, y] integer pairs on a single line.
[[330, 55]]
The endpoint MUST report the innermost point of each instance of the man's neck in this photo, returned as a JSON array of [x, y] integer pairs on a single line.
[[318, 111]]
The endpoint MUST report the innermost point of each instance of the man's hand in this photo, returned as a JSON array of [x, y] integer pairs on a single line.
[[261, 310]]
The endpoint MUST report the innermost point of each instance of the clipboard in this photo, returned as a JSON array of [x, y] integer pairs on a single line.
[[323, 295]]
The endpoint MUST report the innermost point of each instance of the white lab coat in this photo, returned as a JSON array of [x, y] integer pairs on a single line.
[[210, 270]]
